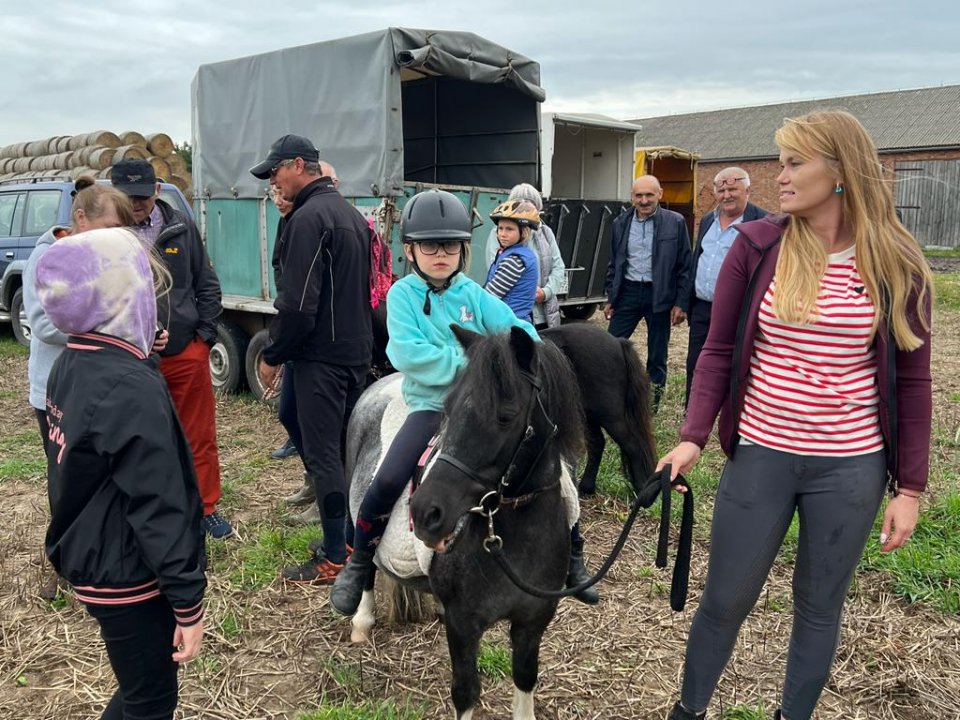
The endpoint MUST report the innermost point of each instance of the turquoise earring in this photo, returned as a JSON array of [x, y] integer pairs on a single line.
[[838, 189]]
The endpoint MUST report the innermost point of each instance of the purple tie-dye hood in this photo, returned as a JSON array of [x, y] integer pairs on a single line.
[[99, 281]]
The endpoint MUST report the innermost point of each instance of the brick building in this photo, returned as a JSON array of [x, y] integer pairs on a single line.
[[917, 133]]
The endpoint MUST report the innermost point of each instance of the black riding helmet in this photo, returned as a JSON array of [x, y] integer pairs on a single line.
[[435, 216]]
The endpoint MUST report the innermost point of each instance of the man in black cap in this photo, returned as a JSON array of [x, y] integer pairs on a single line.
[[189, 313], [323, 327]]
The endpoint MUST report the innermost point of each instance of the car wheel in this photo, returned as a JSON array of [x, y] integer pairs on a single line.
[[578, 312], [18, 318], [254, 352], [227, 358]]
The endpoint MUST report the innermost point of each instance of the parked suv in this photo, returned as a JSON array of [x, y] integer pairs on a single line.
[[27, 210]]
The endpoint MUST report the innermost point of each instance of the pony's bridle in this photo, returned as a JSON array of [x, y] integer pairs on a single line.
[[539, 433]]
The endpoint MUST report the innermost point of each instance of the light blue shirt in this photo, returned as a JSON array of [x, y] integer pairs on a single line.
[[640, 250], [716, 243], [424, 348]]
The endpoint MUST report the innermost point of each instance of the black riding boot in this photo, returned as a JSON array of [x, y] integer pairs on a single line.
[[348, 587], [578, 574], [679, 712]]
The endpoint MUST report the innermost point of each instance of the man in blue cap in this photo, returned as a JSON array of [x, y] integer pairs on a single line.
[[322, 328]]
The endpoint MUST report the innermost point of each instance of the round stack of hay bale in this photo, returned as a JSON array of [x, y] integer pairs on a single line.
[[70, 156]]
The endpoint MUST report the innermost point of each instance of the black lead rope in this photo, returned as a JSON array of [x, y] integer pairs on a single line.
[[657, 484]]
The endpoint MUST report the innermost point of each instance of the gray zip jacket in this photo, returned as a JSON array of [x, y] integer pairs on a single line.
[[46, 342]]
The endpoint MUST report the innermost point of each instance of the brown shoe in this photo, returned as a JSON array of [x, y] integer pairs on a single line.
[[318, 571]]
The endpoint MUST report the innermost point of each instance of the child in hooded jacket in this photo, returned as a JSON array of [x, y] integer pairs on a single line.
[[124, 504]]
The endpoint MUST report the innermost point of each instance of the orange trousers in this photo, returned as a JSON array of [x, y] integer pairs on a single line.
[[191, 387]]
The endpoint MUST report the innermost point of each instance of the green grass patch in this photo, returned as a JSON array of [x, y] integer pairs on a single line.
[[257, 561], [941, 252], [366, 710], [230, 625], [21, 456], [10, 348], [493, 660], [344, 674], [745, 712], [947, 290], [927, 569]]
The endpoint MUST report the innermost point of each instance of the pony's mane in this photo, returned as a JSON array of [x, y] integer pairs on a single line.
[[493, 373]]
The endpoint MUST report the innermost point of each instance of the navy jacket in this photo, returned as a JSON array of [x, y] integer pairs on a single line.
[[192, 307], [672, 280], [751, 212]]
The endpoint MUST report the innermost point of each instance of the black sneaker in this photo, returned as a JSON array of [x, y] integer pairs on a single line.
[[316, 571], [217, 526]]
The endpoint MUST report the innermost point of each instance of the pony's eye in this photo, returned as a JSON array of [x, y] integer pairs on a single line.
[[506, 414]]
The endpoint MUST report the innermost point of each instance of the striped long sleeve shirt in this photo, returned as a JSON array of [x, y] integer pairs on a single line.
[[812, 387]]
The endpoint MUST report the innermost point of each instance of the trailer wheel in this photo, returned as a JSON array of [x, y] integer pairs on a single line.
[[578, 312], [254, 352], [227, 358], [18, 318]]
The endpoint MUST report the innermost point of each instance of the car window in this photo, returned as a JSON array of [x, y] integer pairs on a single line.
[[172, 199], [42, 206], [8, 213]]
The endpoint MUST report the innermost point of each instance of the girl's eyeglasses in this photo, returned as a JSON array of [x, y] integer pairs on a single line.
[[451, 247]]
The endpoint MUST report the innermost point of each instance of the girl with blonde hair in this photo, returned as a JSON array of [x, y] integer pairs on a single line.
[[818, 365]]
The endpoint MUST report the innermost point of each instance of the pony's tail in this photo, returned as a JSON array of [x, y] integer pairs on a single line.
[[638, 407], [405, 605]]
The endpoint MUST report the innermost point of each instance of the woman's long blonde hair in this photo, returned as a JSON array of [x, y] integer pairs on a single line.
[[889, 259]]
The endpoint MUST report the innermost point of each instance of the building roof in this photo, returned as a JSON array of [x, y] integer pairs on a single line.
[[922, 119]]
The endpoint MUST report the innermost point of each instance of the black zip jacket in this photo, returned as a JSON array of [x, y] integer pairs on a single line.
[[323, 296], [192, 307], [124, 505]]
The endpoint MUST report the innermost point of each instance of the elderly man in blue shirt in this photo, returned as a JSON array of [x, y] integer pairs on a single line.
[[731, 188]]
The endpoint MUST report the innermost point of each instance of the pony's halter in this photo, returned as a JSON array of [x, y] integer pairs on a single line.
[[539, 433]]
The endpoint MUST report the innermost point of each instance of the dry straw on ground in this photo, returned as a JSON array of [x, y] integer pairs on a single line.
[[285, 649]]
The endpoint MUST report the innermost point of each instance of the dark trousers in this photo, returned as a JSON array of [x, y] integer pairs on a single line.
[[139, 640], [287, 409], [326, 396], [699, 320], [395, 471], [760, 490], [44, 428], [635, 304]]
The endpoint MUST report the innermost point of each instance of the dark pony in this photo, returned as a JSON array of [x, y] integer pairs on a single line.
[[513, 420], [616, 398]]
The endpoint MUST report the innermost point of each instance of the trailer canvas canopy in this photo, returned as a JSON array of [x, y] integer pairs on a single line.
[[388, 107]]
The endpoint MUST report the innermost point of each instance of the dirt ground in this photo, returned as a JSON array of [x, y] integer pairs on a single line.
[[284, 650]]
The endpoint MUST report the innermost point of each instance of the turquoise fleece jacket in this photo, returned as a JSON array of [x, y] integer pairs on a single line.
[[423, 347]]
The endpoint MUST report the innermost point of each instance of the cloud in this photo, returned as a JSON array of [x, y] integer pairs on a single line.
[[70, 67]]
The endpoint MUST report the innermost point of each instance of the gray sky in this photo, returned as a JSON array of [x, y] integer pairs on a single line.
[[71, 67]]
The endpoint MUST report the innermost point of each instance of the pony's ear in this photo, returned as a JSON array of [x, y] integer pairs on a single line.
[[466, 337], [523, 347]]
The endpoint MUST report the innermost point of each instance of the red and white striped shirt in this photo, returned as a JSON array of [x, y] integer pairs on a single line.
[[812, 388]]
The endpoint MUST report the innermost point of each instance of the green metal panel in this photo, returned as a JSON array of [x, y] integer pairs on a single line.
[[479, 203], [233, 234], [233, 242]]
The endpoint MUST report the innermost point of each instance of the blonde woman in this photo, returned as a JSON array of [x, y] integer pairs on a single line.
[[818, 364]]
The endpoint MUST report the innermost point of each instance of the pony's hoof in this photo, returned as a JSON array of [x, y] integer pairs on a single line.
[[360, 635], [586, 492]]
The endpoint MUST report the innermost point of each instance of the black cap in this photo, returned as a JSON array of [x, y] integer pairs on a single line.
[[134, 177], [289, 147]]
